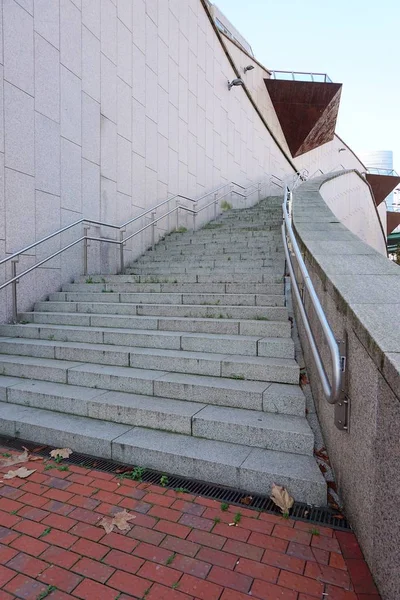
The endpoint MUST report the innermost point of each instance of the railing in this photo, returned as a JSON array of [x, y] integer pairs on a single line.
[[333, 392], [379, 171], [301, 76], [218, 194]]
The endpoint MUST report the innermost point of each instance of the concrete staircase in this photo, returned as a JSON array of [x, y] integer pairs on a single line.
[[184, 364]]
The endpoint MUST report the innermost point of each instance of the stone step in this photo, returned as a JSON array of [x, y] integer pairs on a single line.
[[222, 248], [183, 288], [241, 467], [173, 270], [221, 277], [285, 433], [219, 391], [228, 260], [272, 313], [275, 329], [254, 368], [171, 298], [240, 266], [171, 340]]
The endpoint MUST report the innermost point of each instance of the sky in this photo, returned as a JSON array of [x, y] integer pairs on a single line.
[[355, 42]]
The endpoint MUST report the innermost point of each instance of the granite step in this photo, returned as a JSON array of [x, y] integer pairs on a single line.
[[239, 466], [252, 428], [236, 366]]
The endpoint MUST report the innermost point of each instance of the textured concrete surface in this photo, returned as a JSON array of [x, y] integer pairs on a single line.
[[358, 288]]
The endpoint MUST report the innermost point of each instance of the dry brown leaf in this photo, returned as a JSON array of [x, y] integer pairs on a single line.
[[22, 473], [107, 523], [35, 458], [15, 459], [246, 500], [280, 496], [61, 452], [119, 520]]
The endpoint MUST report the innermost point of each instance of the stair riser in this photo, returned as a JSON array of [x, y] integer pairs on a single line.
[[175, 364], [252, 436], [171, 288], [212, 325], [279, 348], [238, 312], [161, 298], [193, 278]]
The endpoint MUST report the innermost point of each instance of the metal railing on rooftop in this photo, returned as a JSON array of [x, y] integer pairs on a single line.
[[301, 76], [379, 171]]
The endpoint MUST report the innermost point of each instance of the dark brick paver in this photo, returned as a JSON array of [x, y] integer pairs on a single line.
[[179, 547]]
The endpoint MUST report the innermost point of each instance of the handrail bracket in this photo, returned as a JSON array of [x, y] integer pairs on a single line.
[[342, 408]]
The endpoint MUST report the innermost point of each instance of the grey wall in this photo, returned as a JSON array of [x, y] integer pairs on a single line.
[[105, 108], [360, 293]]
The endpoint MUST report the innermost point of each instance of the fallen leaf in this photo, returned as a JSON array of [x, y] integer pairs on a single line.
[[22, 473], [39, 449], [15, 459], [108, 524], [35, 458], [304, 379], [246, 500], [119, 520], [280, 496], [232, 524], [61, 452]]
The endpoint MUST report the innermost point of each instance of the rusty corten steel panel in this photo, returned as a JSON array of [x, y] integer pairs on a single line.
[[307, 112], [382, 185], [393, 221]]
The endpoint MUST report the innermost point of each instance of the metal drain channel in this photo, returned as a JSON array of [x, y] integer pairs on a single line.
[[323, 516]]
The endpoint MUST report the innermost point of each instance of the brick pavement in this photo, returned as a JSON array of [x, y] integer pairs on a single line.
[[179, 547]]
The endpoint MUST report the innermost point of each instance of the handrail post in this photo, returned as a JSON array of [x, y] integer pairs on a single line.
[[121, 250], [85, 250], [194, 220], [232, 190], [153, 230], [14, 299], [215, 204]]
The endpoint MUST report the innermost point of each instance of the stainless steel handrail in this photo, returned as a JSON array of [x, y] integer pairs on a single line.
[[332, 391], [14, 258]]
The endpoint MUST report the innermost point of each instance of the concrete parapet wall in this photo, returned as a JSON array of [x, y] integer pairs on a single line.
[[350, 198], [359, 290]]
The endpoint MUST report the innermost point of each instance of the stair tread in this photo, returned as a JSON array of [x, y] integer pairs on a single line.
[[249, 418], [149, 332], [212, 356]]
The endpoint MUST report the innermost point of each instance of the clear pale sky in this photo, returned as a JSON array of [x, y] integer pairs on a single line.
[[355, 42]]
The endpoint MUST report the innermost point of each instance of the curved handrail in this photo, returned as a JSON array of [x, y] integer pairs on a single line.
[[332, 391]]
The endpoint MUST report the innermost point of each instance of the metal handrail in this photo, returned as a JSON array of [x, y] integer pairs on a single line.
[[14, 258], [332, 392]]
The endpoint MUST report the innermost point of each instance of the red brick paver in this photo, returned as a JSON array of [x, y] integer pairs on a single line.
[[178, 547]]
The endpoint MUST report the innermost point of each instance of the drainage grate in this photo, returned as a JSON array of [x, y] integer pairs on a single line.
[[323, 516]]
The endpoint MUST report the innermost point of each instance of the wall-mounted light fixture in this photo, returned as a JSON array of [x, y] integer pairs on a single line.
[[248, 68], [235, 82], [342, 149]]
